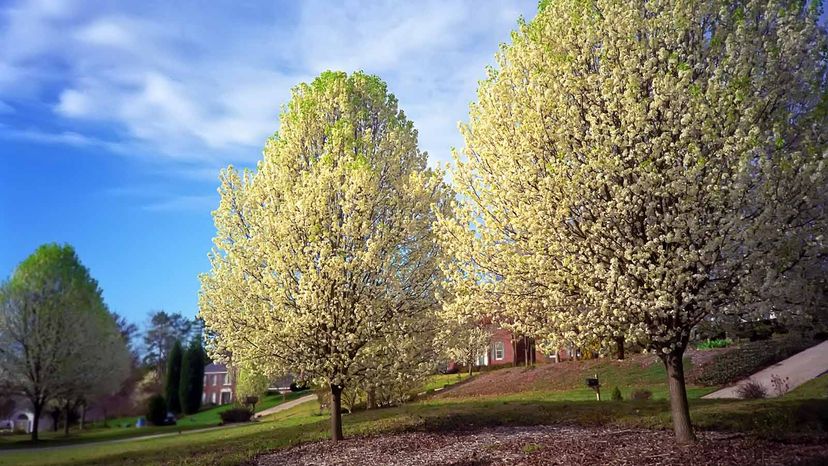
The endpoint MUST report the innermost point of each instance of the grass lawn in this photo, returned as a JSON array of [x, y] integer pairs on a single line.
[[438, 381], [121, 428], [813, 389], [780, 417]]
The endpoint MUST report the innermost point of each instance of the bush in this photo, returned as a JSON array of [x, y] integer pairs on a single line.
[[751, 390], [748, 358], [236, 415], [294, 387], [715, 343], [780, 385], [157, 410], [641, 394], [616, 394], [250, 401]]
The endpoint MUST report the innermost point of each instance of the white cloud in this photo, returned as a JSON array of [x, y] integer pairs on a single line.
[[107, 32], [65, 137], [204, 85], [73, 103]]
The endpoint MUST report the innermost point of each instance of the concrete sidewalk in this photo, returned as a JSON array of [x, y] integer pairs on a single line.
[[799, 369], [284, 406]]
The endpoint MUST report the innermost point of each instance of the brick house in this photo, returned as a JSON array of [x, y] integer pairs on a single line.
[[219, 385], [507, 348]]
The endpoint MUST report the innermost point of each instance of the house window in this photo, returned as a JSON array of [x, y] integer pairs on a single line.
[[227, 379], [215, 381], [498, 350], [213, 397]]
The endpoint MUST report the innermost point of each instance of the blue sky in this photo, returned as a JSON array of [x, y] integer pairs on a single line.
[[115, 117]]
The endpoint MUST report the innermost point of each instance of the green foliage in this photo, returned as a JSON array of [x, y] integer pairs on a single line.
[[173, 379], [715, 343], [616, 394], [192, 377], [156, 410], [250, 384], [58, 340], [748, 358], [236, 415]]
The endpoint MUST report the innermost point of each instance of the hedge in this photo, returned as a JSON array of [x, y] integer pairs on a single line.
[[748, 358]]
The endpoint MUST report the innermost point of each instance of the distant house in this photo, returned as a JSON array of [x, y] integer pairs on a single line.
[[19, 418], [508, 348], [219, 384]]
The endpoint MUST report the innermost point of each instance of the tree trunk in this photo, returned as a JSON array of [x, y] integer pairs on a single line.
[[525, 351], [619, 343], [336, 412], [37, 408], [370, 402], [83, 416], [679, 408], [66, 420]]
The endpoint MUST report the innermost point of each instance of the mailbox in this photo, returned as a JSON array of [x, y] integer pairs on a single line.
[[592, 383]]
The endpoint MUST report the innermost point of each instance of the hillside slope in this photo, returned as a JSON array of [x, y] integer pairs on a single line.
[[637, 371]]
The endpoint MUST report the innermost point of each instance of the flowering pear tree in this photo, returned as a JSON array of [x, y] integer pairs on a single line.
[[325, 254], [634, 167]]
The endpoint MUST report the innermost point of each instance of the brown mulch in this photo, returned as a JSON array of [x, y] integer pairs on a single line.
[[547, 445]]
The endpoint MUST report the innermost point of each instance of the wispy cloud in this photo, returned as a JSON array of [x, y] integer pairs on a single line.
[[70, 138], [205, 84], [184, 203]]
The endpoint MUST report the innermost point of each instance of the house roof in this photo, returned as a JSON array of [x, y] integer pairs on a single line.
[[214, 368]]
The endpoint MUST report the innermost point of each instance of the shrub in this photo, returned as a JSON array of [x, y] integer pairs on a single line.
[[715, 343], [250, 402], [156, 410], [236, 415], [752, 390], [748, 358], [616, 394], [641, 394], [297, 387], [780, 385]]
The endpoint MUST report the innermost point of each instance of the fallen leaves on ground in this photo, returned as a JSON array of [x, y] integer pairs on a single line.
[[548, 445]]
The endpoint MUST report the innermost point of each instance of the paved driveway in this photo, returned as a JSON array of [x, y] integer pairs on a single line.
[[799, 369]]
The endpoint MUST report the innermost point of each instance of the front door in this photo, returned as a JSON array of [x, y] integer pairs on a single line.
[[225, 398]]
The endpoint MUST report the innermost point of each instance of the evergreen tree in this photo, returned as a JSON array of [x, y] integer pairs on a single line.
[[173, 378], [192, 377]]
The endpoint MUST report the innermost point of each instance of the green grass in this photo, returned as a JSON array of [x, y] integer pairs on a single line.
[[813, 389], [117, 427], [234, 445], [436, 381], [715, 343]]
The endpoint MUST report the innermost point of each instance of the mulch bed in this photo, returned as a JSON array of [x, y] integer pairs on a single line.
[[548, 445]]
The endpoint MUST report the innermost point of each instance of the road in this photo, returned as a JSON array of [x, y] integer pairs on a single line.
[[266, 412], [799, 369]]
